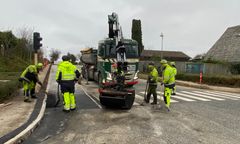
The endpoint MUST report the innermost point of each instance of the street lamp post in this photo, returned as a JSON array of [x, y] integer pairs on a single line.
[[162, 46]]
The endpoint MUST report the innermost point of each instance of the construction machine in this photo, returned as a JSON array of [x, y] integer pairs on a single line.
[[114, 65]]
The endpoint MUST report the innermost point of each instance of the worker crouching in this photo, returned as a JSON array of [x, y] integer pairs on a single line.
[[29, 79], [67, 75]]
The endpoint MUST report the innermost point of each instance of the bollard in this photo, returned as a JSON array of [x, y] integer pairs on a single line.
[[200, 78]]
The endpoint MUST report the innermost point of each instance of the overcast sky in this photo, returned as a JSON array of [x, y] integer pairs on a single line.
[[191, 26]]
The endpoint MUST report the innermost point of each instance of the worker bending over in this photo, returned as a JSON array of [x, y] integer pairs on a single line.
[[29, 79]]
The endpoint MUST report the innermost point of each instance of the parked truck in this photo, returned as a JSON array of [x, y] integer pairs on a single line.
[[116, 85]]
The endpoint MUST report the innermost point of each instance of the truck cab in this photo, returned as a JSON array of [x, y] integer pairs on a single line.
[[106, 56]]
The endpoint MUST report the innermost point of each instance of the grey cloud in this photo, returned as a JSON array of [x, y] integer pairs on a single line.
[[188, 26]]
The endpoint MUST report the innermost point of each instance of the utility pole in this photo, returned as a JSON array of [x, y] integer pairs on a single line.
[[162, 46]]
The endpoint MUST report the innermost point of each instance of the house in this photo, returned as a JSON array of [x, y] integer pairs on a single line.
[[227, 48]]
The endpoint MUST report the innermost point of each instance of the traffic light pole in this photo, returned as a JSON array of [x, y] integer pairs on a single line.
[[36, 45], [35, 58]]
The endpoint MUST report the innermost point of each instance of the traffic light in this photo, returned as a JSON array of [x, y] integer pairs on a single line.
[[36, 41]]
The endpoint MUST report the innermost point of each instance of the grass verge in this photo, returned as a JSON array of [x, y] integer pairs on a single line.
[[7, 88]]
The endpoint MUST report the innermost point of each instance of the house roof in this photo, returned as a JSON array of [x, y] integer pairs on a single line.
[[227, 48], [169, 55]]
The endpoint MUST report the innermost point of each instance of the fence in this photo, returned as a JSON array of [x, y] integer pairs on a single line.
[[192, 68]]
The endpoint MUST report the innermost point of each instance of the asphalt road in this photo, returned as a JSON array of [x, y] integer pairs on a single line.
[[196, 116]]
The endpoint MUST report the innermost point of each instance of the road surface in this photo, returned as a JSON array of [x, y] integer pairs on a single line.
[[197, 116]]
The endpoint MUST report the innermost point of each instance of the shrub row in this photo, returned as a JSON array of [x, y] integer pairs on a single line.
[[229, 81], [8, 88]]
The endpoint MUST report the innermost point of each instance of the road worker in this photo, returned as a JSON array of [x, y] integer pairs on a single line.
[[67, 75], [173, 65], [168, 81], [29, 78], [152, 84], [114, 68]]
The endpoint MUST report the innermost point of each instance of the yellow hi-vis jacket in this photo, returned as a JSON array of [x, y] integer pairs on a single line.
[[168, 75], [30, 73], [153, 75], [174, 70], [66, 71]]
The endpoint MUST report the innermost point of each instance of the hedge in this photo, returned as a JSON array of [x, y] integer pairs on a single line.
[[229, 81], [9, 87]]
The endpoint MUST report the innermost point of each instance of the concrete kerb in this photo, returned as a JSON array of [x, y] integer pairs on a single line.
[[22, 132], [26, 132], [191, 84]]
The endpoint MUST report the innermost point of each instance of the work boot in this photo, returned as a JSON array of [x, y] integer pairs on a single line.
[[73, 109], [144, 103], [34, 96], [153, 103], [168, 109], [66, 111], [27, 99]]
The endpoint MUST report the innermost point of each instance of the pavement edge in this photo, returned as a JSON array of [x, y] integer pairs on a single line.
[[21, 133]]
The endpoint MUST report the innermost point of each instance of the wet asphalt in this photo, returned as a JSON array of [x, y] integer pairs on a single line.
[[215, 122]]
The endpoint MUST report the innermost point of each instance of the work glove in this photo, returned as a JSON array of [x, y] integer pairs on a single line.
[[150, 79], [20, 79]]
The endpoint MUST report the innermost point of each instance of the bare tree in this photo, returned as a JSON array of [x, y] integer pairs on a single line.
[[26, 34], [54, 55]]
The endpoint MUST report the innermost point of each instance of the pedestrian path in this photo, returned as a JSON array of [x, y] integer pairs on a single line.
[[194, 96]]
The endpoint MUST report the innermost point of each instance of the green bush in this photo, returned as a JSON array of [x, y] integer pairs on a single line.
[[9, 75], [230, 81], [235, 68], [188, 77], [8, 88]]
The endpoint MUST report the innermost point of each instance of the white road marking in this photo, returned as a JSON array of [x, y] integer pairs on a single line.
[[91, 98], [200, 95], [182, 98], [177, 97], [228, 94], [138, 96], [215, 95], [141, 97], [193, 97]]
